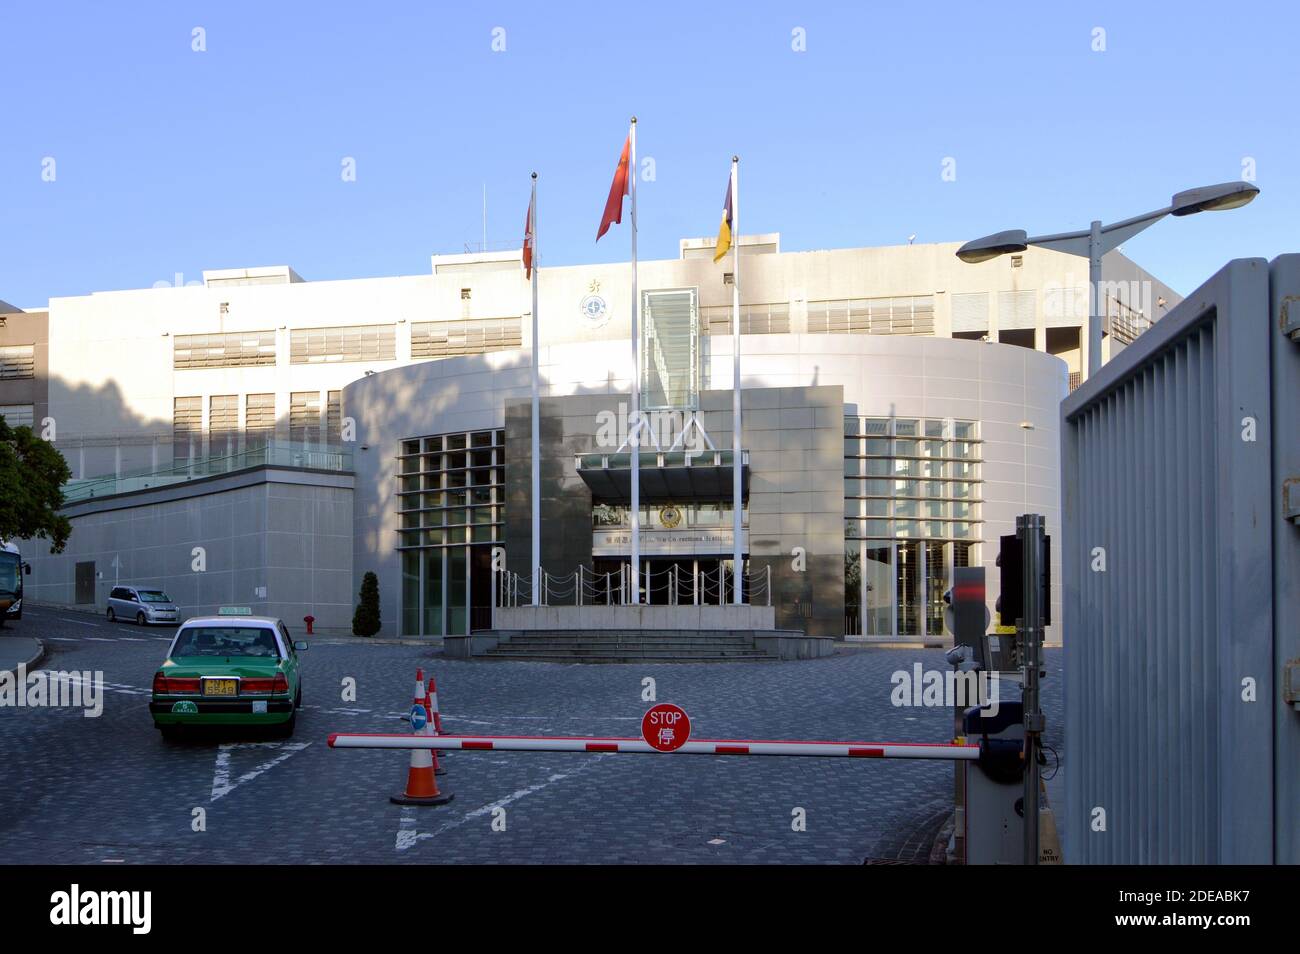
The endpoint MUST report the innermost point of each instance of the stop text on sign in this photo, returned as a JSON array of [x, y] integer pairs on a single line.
[[665, 727]]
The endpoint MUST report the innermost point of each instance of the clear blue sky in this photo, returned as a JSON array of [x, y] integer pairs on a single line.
[[170, 160]]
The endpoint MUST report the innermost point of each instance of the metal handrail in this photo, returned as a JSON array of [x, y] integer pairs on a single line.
[[587, 587]]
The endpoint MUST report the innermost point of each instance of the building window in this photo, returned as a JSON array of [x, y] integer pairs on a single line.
[[17, 361], [444, 339], [1017, 310], [763, 319], [259, 420], [901, 470], [911, 514], [670, 349], [333, 417], [343, 343], [223, 424], [236, 349], [970, 314], [451, 511], [908, 315], [187, 427], [18, 415], [304, 417]]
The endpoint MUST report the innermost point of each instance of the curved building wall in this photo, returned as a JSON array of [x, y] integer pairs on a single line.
[[1011, 393]]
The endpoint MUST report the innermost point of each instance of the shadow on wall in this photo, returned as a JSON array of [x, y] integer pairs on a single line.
[[110, 438]]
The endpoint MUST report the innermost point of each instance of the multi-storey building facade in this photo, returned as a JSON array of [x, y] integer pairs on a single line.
[[944, 379]]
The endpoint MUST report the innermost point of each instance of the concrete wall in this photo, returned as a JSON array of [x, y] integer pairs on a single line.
[[288, 532], [567, 429], [795, 439]]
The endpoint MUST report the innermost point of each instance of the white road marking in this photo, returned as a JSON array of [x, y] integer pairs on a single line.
[[75, 678], [79, 622], [408, 836], [221, 783]]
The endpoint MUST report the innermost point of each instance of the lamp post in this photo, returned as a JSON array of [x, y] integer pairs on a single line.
[[1094, 242]]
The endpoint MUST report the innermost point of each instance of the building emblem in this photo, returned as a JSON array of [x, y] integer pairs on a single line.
[[670, 517], [593, 306]]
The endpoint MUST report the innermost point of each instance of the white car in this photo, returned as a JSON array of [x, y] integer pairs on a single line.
[[142, 606]]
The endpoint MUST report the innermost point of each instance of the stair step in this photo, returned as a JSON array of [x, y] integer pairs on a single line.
[[629, 658], [635, 645]]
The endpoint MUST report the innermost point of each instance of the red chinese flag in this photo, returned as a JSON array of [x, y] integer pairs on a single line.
[[528, 242], [617, 189]]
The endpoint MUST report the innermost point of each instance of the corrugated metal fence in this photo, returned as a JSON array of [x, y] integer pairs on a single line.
[[1179, 748]]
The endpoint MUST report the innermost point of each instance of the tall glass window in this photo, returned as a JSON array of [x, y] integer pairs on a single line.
[[912, 493], [411, 593], [451, 511]]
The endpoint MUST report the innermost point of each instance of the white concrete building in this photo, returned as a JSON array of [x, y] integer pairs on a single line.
[[942, 380]]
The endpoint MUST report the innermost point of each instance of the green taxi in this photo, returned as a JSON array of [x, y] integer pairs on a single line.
[[230, 669]]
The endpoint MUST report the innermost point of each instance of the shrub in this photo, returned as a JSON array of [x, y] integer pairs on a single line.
[[365, 621]]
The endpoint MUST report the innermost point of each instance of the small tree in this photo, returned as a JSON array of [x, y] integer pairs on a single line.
[[32, 475], [365, 621]]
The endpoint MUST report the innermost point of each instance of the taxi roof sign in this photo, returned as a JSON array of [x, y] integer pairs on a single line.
[[235, 611]]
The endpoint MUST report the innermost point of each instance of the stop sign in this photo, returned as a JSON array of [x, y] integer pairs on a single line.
[[665, 727]]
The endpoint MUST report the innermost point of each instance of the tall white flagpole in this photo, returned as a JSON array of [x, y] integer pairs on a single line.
[[738, 551], [537, 425], [634, 426]]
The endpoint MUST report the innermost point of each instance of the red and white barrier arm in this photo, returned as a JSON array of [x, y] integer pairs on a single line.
[[541, 743]]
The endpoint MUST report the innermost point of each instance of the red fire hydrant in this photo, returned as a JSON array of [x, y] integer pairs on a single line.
[[309, 620]]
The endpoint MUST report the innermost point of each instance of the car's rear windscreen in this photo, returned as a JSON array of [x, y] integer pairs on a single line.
[[252, 641]]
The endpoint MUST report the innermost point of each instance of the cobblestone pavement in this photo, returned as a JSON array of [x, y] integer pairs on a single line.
[[109, 789]]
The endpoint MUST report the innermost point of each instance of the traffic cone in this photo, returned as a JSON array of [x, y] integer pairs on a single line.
[[421, 780], [430, 713], [435, 720]]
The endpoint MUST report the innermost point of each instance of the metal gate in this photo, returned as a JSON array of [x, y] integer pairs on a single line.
[[1180, 747]]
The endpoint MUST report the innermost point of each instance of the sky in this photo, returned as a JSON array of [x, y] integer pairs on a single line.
[[130, 158]]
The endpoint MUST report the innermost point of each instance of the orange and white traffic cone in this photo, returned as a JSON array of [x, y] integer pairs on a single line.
[[435, 720], [430, 715], [421, 780]]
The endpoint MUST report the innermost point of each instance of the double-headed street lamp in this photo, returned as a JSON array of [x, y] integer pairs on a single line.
[[1095, 242]]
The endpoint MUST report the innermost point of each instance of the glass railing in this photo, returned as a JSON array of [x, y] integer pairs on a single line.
[[271, 453], [651, 458]]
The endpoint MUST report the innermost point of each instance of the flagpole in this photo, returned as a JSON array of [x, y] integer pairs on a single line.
[[634, 428], [738, 555], [537, 426]]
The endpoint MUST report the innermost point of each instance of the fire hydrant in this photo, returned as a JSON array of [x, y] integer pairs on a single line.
[[309, 620]]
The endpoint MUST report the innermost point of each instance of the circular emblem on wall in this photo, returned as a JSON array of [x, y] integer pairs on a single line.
[[670, 517], [593, 309]]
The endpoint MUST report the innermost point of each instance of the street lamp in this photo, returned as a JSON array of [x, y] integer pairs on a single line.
[[1096, 241]]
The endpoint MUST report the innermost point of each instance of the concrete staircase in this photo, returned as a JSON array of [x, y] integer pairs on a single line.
[[658, 645]]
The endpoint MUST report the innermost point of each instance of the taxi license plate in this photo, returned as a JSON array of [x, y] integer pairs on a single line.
[[220, 687]]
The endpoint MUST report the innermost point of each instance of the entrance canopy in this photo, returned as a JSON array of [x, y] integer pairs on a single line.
[[666, 476]]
